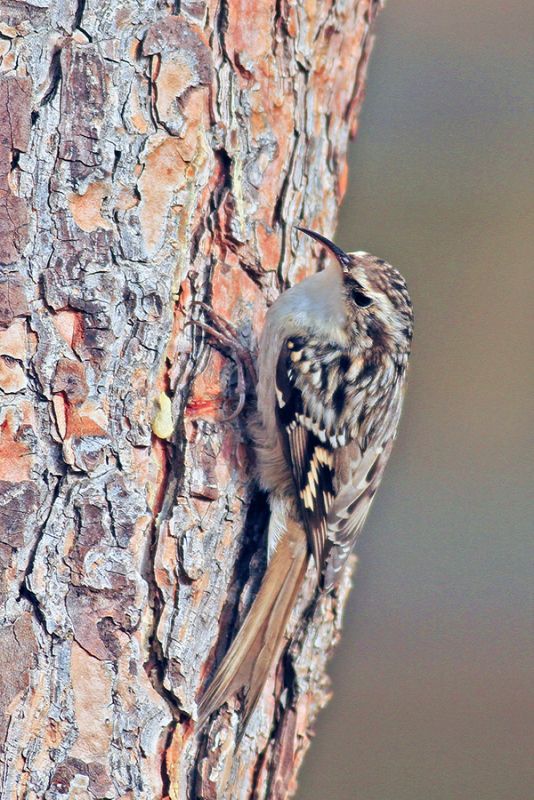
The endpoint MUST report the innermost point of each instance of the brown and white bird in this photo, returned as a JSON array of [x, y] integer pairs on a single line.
[[332, 364]]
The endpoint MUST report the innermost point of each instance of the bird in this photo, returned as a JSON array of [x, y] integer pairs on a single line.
[[332, 363]]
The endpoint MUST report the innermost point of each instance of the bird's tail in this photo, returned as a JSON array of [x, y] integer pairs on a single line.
[[258, 643]]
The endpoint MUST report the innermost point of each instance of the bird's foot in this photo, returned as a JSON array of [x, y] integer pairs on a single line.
[[225, 335]]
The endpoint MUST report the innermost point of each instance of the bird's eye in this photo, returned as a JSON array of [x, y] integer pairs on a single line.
[[361, 299]]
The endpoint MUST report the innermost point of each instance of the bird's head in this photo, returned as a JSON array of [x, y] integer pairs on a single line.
[[376, 296]]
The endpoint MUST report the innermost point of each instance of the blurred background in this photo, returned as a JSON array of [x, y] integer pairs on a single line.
[[432, 680]]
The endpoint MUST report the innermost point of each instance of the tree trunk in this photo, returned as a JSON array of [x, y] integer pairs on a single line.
[[151, 154]]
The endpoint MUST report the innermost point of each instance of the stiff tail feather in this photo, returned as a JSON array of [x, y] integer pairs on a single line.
[[258, 642]]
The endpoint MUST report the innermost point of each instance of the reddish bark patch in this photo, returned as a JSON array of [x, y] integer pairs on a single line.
[[70, 380]]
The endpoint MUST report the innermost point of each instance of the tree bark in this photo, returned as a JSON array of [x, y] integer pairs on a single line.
[[152, 154]]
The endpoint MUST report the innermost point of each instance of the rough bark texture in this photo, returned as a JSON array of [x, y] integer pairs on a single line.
[[151, 154]]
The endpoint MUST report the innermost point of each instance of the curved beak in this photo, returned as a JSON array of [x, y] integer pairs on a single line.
[[340, 254]]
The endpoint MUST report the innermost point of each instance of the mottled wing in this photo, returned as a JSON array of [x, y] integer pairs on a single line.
[[311, 460], [336, 474]]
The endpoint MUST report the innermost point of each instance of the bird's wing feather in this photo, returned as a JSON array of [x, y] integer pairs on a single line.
[[335, 475], [311, 459]]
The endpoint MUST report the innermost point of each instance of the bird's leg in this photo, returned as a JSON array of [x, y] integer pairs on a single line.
[[224, 333]]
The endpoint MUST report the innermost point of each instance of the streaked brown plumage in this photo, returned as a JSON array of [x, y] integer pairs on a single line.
[[332, 363]]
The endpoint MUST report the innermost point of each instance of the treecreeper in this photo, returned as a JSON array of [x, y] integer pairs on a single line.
[[332, 366]]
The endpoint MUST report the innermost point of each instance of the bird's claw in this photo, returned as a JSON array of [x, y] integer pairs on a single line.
[[224, 333]]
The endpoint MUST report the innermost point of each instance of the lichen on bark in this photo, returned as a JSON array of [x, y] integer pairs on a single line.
[[151, 154]]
